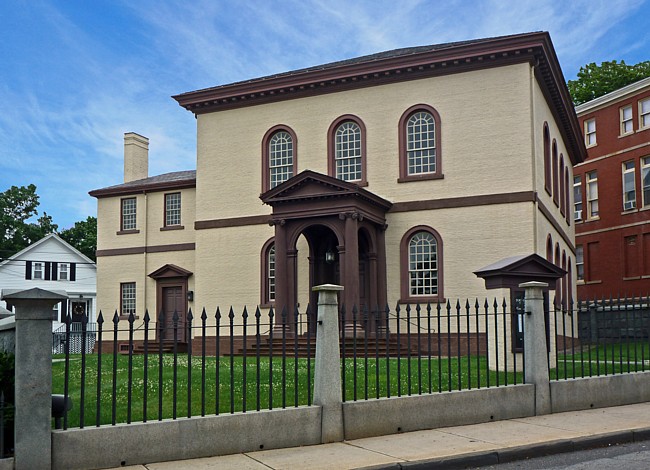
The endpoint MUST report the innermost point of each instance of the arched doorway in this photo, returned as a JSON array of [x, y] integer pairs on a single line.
[[344, 226]]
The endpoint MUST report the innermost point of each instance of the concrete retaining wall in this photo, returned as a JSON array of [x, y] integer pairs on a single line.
[[404, 414], [8, 334], [141, 443], [599, 392]]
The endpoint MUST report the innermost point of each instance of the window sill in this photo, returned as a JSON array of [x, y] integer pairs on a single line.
[[126, 317], [593, 282], [626, 135], [593, 219], [172, 227], [630, 211], [127, 232], [424, 177], [267, 305], [633, 278], [421, 300]]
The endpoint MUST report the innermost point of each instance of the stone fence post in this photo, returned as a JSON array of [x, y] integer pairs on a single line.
[[535, 349], [33, 398], [327, 365]]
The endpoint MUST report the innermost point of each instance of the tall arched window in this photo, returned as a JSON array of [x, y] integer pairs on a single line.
[[419, 144], [279, 156], [555, 174], [268, 273], [547, 160], [347, 149], [549, 248], [421, 265], [570, 285], [567, 195], [558, 282], [562, 188], [564, 283]]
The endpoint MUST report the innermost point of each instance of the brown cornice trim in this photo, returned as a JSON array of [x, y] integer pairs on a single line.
[[465, 201], [146, 249], [232, 222], [143, 188], [558, 228]]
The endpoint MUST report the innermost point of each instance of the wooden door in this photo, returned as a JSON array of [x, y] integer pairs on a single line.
[[173, 302]]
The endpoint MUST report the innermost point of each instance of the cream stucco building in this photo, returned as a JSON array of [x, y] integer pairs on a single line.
[[396, 175]]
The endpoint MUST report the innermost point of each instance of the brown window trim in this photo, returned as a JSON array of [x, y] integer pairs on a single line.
[[122, 231], [165, 226], [567, 196], [562, 195], [405, 291], [331, 163], [121, 315], [264, 290], [172, 227], [126, 317], [403, 160], [266, 177], [127, 232], [547, 160]]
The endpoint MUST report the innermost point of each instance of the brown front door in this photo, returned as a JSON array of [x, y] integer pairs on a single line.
[[173, 302]]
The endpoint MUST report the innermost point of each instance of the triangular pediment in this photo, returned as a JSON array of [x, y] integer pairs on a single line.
[[169, 271], [519, 269], [310, 185]]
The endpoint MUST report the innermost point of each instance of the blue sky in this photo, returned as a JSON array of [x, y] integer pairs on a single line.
[[76, 74]]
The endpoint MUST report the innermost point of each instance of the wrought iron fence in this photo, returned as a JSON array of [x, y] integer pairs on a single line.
[[139, 369], [601, 337]]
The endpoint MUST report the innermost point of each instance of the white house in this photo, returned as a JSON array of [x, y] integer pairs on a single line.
[[53, 264]]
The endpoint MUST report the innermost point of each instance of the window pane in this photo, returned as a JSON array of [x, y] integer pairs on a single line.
[[280, 158], [128, 214], [423, 264], [348, 152], [128, 298], [173, 209], [421, 143]]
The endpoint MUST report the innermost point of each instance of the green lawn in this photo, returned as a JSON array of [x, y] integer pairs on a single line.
[[446, 374], [603, 359]]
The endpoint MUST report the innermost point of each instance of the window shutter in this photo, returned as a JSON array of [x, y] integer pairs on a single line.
[[73, 272], [64, 310], [28, 269], [55, 271], [48, 269]]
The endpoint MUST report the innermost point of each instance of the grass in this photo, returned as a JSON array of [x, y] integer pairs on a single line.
[[603, 359], [241, 390]]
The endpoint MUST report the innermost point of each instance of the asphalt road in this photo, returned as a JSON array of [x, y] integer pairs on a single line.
[[632, 456]]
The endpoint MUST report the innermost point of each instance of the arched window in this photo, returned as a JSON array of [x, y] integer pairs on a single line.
[[268, 274], [419, 144], [421, 265], [558, 282], [279, 156], [555, 175], [567, 195], [549, 248], [562, 189], [547, 160], [347, 149], [570, 285], [564, 283]]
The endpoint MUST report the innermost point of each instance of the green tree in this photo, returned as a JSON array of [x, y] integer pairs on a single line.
[[83, 236], [597, 80], [17, 205]]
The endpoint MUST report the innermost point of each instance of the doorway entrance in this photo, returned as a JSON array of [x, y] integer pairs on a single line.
[[171, 303]]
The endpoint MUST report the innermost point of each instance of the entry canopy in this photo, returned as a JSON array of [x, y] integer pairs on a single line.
[[510, 272]]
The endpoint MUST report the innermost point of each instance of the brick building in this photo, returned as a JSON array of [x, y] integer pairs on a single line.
[[612, 194]]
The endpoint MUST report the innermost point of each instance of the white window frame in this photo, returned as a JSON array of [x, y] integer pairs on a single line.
[[63, 273], [421, 143], [629, 178], [270, 274], [627, 125], [645, 181], [644, 114], [580, 263], [577, 198], [128, 298], [347, 152], [172, 209], [592, 196], [280, 158], [590, 132], [423, 265], [129, 213], [38, 270]]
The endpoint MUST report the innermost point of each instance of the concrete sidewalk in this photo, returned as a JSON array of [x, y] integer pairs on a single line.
[[455, 447]]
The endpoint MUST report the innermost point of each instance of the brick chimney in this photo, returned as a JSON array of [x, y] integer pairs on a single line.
[[136, 157]]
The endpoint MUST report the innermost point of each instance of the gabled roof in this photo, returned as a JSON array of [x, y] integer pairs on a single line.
[[53, 236], [164, 182], [406, 64], [170, 270], [511, 271]]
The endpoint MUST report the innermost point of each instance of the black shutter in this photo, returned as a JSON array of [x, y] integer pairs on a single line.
[[48, 269], [73, 271], [64, 310], [28, 269], [55, 271]]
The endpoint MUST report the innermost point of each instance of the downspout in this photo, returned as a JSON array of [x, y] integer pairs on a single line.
[[146, 244]]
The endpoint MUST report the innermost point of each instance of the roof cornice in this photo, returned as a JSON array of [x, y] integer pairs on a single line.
[[615, 95], [534, 48], [144, 187]]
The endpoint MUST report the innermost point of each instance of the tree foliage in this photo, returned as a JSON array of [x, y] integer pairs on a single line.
[[597, 80], [83, 236], [17, 205]]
